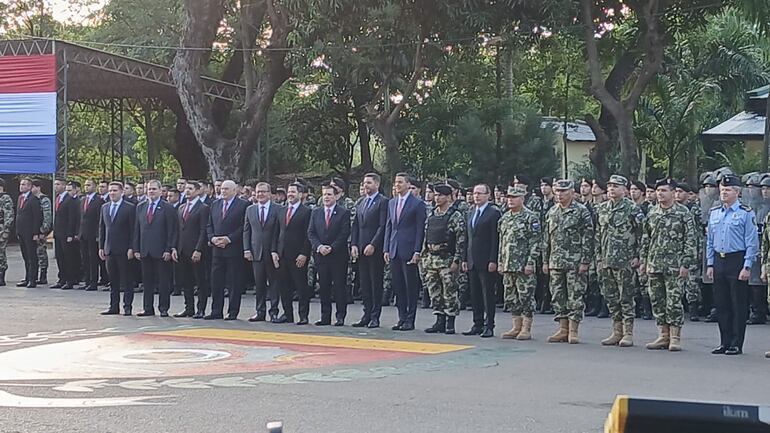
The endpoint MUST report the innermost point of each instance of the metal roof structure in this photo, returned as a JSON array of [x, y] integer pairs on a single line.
[[746, 125], [576, 131]]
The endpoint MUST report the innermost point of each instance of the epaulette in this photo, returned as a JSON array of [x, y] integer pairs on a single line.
[[715, 207], [744, 207]]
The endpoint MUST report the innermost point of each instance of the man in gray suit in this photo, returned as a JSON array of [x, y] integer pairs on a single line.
[[260, 240]]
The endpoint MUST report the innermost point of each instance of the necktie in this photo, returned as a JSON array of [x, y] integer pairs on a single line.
[[399, 208], [328, 217], [113, 211], [368, 203], [58, 202], [262, 215], [224, 209], [85, 203], [150, 212], [22, 199], [186, 213], [288, 215], [476, 217]]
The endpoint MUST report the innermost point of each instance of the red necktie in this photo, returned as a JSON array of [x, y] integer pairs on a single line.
[[58, 202], [224, 209], [262, 215], [85, 204], [288, 216], [328, 217], [21, 201], [186, 213], [150, 213], [399, 208]]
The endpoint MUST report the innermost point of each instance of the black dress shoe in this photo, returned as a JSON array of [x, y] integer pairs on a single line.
[[719, 350], [733, 351], [127, 312], [164, 314], [406, 327], [302, 321], [397, 326], [146, 314], [67, 287], [280, 319], [110, 313], [339, 323], [198, 315], [55, 286], [323, 323], [231, 317], [91, 289], [361, 323], [373, 324], [257, 318], [184, 314], [475, 330], [487, 333], [213, 317], [31, 285], [42, 282]]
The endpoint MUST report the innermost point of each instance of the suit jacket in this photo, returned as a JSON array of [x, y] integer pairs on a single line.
[[89, 217], [369, 224], [29, 218], [153, 238], [483, 239], [66, 218], [404, 238], [134, 200], [336, 235], [191, 233], [292, 239], [261, 238], [231, 226], [116, 236]]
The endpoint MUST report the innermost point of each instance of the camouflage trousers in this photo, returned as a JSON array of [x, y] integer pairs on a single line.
[[519, 293], [593, 281], [463, 288], [618, 291], [3, 257], [640, 285], [666, 290], [442, 288], [568, 289], [42, 253], [692, 292]]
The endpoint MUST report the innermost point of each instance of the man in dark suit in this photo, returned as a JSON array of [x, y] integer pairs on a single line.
[[260, 243], [29, 218], [154, 239], [225, 234], [328, 233], [404, 235], [366, 240], [293, 254], [191, 246], [66, 225], [91, 206], [482, 260], [116, 238]]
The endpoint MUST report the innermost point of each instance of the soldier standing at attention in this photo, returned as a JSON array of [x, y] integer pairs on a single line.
[[731, 248], [442, 254], [668, 251], [567, 252], [45, 229], [6, 220], [520, 237], [618, 235]]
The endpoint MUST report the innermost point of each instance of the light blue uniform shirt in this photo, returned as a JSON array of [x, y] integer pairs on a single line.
[[730, 230]]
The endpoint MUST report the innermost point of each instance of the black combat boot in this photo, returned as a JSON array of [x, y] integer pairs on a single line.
[[43, 279], [439, 326], [2, 278], [646, 308], [693, 312], [593, 307], [450, 325], [604, 312]]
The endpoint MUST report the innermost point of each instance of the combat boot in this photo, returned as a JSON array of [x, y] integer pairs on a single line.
[[663, 339], [573, 332], [646, 308], [693, 312], [616, 336], [43, 276], [526, 329], [628, 335], [675, 343], [450, 325], [514, 332], [604, 312], [2, 278], [593, 306], [439, 326], [562, 335]]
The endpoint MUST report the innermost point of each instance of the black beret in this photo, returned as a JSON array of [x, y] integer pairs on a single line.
[[666, 182], [523, 178], [547, 180], [730, 180], [684, 187], [442, 189], [639, 184], [453, 183]]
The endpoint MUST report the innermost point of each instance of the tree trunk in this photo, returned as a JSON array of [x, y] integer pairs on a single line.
[[364, 139], [598, 153], [187, 152], [629, 156], [387, 132], [692, 162]]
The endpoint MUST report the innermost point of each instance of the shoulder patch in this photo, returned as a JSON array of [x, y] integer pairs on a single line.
[[744, 207], [715, 207]]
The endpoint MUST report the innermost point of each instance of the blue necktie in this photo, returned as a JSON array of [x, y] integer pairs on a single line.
[[368, 203], [113, 210], [476, 217]]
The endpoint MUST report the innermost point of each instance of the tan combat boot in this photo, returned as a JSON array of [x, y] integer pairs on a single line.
[[675, 344], [562, 334], [617, 334], [515, 330], [526, 330], [628, 335], [662, 341], [573, 332]]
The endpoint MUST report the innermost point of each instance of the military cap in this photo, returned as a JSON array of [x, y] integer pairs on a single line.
[[522, 178], [442, 189], [765, 180], [730, 180], [666, 182], [564, 184], [546, 180], [617, 179], [639, 184], [453, 183], [516, 191], [709, 180], [684, 187]]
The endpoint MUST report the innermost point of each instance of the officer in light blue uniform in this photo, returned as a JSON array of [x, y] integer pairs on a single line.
[[732, 247]]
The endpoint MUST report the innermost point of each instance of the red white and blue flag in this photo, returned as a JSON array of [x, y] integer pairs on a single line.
[[27, 114]]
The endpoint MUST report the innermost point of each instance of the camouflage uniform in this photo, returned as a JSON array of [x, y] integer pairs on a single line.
[[45, 229], [437, 258], [668, 243], [593, 277], [567, 244], [765, 249], [534, 203], [618, 235], [520, 239], [464, 293], [692, 284], [6, 220]]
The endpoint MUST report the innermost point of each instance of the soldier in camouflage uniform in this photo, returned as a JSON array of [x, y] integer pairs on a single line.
[[462, 277], [668, 251], [692, 292], [532, 201], [618, 236], [443, 251], [45, 229], [6, 220], [520, 239], [429, 201], [637, 191], [596, 304], [567, 251]]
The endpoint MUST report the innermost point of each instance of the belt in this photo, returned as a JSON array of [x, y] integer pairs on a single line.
[[725, 255]]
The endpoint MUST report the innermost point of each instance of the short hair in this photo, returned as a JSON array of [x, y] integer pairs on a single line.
[[35, 182], [415, 183], [131, 184], [182, 178], [174, 190], [299, 186], [74, 183], [486, 188], [263, 184], [156, 182], [116, 183], [26, 178], [374, 176], [104, 181], [404, 175], [195, 184], [327, 186]]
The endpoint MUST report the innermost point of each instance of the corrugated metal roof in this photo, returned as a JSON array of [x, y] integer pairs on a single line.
[[576, 131], [743, 125]]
